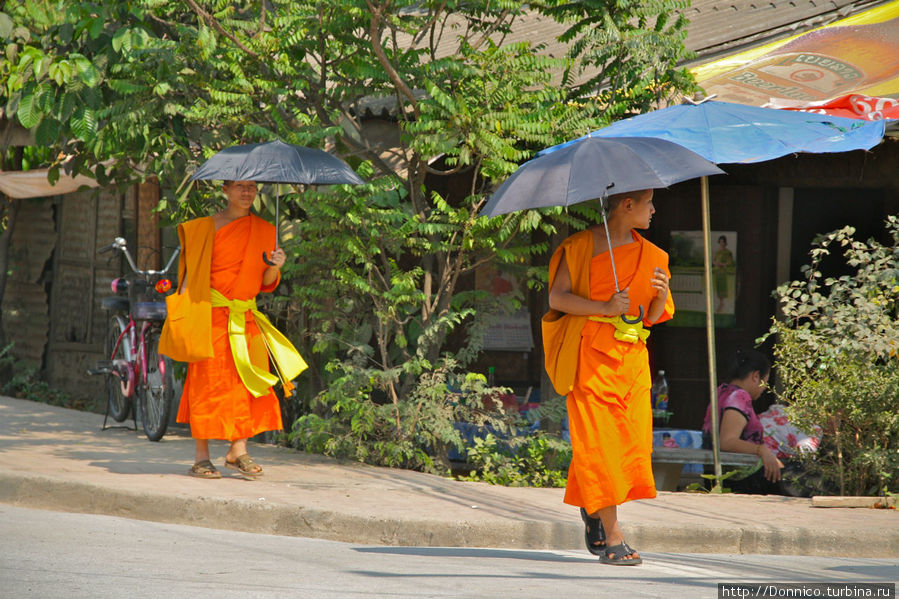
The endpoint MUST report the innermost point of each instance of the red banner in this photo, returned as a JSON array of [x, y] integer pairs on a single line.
[[853, 106]]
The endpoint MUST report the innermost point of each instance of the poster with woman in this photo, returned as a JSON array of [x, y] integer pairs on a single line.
[[687, 283]]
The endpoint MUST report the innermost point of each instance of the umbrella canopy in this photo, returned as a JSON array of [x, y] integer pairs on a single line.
[[593, 167], [733, 133], [277, 162]]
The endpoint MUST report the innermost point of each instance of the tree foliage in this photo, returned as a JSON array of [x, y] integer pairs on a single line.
[[836, 352], [142, 88]]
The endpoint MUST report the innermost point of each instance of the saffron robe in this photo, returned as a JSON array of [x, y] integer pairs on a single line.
[[215, 401], [609, 410]]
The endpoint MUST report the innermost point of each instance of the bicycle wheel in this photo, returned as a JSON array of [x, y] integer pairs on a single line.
[[119, 384], [158, 389]]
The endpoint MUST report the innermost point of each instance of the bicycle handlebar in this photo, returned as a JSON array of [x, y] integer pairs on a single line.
[[121, 245]]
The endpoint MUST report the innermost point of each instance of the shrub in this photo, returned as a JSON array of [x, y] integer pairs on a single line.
[[533, 460], [20, 379], [836, 353], [354, 418]]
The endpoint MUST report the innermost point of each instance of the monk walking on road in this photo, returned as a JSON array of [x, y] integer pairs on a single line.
[[609, 411]]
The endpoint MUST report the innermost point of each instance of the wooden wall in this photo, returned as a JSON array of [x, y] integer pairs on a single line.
[[52, 305]]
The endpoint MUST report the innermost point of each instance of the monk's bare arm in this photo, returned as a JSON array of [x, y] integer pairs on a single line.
[[657, 305], [562, 299], [271, 273]]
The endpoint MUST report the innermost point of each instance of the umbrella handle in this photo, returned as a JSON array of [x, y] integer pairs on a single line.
[[635, 320], [264, 254]]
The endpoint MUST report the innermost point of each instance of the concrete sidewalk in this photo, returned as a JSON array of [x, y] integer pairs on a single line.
[[59, 459]]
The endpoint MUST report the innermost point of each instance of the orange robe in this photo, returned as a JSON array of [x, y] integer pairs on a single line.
[[609, 411], [215, 401]]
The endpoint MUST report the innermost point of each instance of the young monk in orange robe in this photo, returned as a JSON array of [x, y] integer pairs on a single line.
[[609, 411], [215, 400]]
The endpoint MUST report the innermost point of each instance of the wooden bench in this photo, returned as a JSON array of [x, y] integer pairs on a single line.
[[668, 462]]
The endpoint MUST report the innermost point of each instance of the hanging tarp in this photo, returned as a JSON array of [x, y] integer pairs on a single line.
[[34, 183], [856, 55]]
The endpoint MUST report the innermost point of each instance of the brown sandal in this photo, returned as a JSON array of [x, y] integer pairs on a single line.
[[245, 465], [205, 469]]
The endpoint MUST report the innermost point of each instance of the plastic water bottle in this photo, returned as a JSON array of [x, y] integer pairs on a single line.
[[659, 392]]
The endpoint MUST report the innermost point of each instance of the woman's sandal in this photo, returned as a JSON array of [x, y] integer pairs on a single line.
[[204, 469], [616, 556], [245, 465], [594, 534]]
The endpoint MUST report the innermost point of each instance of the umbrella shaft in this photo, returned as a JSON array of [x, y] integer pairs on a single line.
[[605, 223]]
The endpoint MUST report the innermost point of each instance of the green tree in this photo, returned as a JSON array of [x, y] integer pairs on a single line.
[[836, 357], [624, 56], [156, 86]]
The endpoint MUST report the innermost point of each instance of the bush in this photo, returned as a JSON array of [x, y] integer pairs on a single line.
[[355, 418], [535, 460], [20, 379], [836, 354]]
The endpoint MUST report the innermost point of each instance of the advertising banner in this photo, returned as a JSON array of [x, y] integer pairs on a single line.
[[856, 55]]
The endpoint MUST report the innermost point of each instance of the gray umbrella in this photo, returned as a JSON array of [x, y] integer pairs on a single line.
[[277, 162], [592, 167]]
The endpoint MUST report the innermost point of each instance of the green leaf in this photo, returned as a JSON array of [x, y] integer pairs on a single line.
[[121, 39], [6, 25], [84, 123], [47, 132], [28, 113], [86, 70], [96, 28]]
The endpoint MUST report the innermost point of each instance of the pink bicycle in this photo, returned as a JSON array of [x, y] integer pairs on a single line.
[[135, 372]]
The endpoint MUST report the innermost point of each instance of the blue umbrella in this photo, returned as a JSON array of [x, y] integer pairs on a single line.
[[728, 133], [735, 133]]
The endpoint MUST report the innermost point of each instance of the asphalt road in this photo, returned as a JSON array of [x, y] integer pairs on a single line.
[[55, 554]]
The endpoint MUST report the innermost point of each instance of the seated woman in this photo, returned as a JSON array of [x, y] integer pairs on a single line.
[[740, 430]]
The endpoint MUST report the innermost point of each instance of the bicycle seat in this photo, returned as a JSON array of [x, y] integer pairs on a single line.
[[115, 304]]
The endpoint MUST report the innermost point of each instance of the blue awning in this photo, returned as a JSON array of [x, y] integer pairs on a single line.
[[735, 133]]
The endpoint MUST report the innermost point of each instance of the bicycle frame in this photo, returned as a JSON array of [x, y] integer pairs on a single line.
[[137, 356]]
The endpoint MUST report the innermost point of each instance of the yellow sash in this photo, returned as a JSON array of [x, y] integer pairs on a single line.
[[629, 333], [287, 360]]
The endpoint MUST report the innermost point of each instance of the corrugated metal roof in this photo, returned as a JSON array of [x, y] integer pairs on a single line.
[[716, 27]]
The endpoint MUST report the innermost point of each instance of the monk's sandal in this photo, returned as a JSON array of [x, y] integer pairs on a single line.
[[616, 556], [245, 465], [594, 534], [204, 469]]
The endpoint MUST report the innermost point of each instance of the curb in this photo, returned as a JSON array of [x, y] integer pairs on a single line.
[[41, 492]]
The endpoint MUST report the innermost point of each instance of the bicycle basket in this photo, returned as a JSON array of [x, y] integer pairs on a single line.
[[149, 311]]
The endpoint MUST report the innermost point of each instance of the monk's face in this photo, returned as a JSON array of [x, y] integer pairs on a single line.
[[240, 194], [641, 209]]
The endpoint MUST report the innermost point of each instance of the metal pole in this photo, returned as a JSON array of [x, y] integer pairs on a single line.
[[605, 223], [277, 217], [710, 322]]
